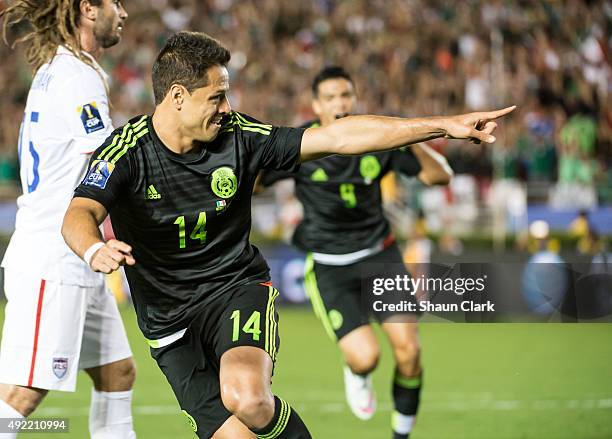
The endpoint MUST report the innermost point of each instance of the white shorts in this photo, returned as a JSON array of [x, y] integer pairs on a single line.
[[52, 330]]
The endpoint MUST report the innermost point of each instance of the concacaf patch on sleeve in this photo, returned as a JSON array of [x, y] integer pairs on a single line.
[[98, 174], [90, 117]]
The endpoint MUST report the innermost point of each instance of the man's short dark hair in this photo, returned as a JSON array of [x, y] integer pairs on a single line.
[[184, 60], [331, 72]]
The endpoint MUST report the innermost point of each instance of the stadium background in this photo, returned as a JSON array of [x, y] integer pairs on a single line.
[[408, 58]]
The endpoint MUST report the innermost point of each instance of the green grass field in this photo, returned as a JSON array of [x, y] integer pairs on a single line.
[[481, 381]]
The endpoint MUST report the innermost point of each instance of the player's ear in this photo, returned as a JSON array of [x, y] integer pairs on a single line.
[[177, 95], [88, 10]]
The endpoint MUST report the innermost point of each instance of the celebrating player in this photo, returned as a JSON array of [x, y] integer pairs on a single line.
[[178, 188], [343, 228], [59, 317]]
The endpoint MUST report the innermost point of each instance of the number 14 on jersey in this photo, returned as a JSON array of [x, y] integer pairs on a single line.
[[198, 233]]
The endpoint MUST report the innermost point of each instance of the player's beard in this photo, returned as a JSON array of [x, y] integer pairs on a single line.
[[106, 33]]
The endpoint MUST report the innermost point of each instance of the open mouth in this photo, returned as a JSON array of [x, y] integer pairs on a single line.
[[220, 120]]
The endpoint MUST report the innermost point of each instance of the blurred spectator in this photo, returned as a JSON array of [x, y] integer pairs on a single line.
[[418, 247], [417, 251], [583, 231], [602, 257], [545, 277], [580, 227], [536, 139]]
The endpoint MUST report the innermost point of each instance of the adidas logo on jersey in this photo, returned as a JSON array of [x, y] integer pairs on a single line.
[[152, 193], [319, 175]]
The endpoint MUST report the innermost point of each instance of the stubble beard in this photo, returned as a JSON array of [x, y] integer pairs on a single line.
[[106, 36]]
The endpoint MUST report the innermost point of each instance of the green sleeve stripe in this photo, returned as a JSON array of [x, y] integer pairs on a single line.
[[235, 123], [128, 132], [313, 293], [140, 123], [255, 130], [407, 382], [130, 145], [242, 120], [244, 125], [115, 139], [126, 140], [281, 424], [119, 145], [126, 127], [229, 126]]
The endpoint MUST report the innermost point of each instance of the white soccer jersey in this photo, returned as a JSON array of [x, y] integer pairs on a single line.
[[66, 119]]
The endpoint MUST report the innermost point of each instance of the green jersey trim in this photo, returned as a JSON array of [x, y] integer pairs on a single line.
[[281, 423], [123, 142], [271, 325], [313, 293], [237, 120]]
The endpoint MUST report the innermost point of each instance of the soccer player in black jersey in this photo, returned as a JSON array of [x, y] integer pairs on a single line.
[[178, 187], [344, 227]]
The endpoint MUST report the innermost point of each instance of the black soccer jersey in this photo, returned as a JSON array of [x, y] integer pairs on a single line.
[[186, 216], [342, 201]]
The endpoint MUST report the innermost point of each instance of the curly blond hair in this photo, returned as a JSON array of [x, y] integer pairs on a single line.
[[51, 23]]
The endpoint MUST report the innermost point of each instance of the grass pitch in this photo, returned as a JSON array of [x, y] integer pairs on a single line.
[[481, 382]]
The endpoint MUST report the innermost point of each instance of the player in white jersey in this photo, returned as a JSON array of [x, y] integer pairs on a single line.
[[59, 317]]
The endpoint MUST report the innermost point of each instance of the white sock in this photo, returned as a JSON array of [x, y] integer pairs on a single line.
[[110, 415], [402, 424], [7, 411]]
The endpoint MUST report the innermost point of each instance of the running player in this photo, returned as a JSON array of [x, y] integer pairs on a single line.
[[59, 317], [178, 187], [344, 228]]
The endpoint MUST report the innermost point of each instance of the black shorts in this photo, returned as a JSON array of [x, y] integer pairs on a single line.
[[245, 316], [335, 291]]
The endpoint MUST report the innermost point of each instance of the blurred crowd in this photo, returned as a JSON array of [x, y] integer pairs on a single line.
[[409, 58]]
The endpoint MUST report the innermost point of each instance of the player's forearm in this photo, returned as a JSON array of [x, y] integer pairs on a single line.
[[361, 134], [355, 135], [379, 133], [434, 166], [81, 229]]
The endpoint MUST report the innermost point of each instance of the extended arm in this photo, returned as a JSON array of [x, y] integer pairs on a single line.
[[80, 231], [434, 167], [361, 134]]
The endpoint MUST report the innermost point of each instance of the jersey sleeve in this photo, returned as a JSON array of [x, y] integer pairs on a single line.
[[105, 181], [272, 148], [268, 178], [84, 103], [405, 162]]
